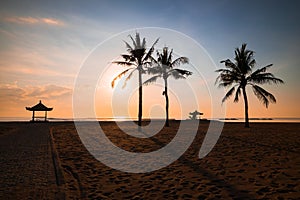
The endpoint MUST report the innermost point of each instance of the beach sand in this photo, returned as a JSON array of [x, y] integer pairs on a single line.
[[27, 170], [260, 162]]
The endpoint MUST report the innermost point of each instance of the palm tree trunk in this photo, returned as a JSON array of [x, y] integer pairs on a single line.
[[140, 112], [246, 107], [167, 103]]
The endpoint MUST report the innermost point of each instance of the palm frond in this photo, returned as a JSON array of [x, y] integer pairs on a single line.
[[151, 50], [124, 63], [184, 72], [252, 63], [169, 60], [126, 57], [151, 80], [153, 60], [179, 61], [144, 43], [249, 58], [179, 73], [228, 94], [228, 72], [263, 69], [163, 57], [237, 94], [229, 64], [155, 70], [129, 48], [128, 77], [225, 84], [244, 59], [158, 55], [263, 95], [177, 76], [138, 40], [133, 42], [119, 76], [260, 76], [227, 78], [225, 71], [243, 48], [264, 78]]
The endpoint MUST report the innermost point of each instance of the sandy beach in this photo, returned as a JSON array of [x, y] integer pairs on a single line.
[[261, 162], [27, 169]]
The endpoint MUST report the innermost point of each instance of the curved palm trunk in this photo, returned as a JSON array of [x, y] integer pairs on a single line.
[[246, 108], [167, 103], [140, 112]]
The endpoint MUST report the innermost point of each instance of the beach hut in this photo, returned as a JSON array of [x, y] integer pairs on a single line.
[[39, 107]]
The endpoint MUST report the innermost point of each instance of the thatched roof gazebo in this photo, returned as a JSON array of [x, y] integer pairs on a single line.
[[39, 107]]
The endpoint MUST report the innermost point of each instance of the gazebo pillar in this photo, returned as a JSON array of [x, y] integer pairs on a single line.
[[33, 116]]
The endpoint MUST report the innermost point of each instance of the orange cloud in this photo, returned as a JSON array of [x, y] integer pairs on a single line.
[[14, 98], [49, 92], [22, 20], [52, 21], [34, 20]]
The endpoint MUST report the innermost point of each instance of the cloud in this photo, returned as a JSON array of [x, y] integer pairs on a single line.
[[49, 92], [16, 93], [23, 63], [52, 21], [11, 92], [21, 70], [34, 20], [14, 98], [22, 20]]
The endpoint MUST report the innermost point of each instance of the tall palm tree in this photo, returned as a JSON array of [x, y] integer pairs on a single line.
[[164, 68], [136, 59], [238, 74]]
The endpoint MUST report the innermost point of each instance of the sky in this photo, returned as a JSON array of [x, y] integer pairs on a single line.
[[46, 44]]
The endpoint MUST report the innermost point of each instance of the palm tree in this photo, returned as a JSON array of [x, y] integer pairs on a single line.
[[239, 74], [136, 59], [164, 68]]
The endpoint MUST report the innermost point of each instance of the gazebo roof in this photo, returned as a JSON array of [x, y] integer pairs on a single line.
[[39, 107], [196, 113]]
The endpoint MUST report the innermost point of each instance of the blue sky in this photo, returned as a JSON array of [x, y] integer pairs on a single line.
[[43, 43]]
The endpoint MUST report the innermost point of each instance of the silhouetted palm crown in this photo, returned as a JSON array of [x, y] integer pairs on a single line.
[[137, 57], [165, 67], [239, 74]]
